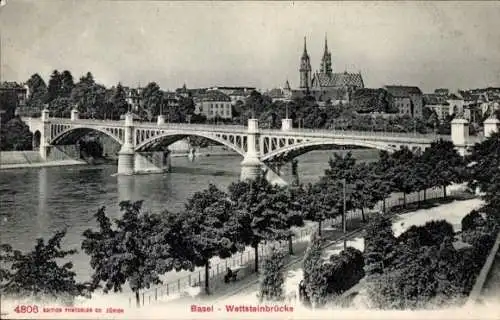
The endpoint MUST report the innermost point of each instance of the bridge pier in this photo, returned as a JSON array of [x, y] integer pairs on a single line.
[[44, 147], [126, 155], [460, 134], [251, 165]]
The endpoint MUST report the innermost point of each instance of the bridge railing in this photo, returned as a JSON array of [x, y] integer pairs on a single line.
[[382, 134], [327, 133]]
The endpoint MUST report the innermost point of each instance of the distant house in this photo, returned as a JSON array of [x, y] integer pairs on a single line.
[[19, 90], [239, 95], [438, 104], [133, 97], [229, 90], [407, 99], [213, 104], [442, 92], [456, 104], [280, 94], [171, 99]]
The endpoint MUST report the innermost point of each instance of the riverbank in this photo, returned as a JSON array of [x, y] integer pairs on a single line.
[[59, 163]]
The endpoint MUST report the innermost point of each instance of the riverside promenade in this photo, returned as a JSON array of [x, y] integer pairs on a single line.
[[186, 292]]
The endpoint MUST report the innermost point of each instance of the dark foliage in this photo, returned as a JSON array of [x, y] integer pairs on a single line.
[[273, 277], [37, 273]]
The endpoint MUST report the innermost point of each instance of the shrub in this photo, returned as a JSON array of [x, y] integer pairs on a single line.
[[346, 269], [470, 220], [432, 233], [273, 279], [312, 256], [379, 245]]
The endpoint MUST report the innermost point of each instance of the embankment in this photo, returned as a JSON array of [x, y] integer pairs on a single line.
[[32, 159]]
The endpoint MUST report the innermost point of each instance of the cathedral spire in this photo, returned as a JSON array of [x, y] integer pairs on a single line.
[[305, 68], [326, 61], [326, 44]]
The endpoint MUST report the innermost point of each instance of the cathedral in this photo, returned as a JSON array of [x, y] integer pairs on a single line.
[[326, 85]]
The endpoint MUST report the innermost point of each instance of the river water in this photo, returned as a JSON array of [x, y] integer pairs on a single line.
[[36, 202]]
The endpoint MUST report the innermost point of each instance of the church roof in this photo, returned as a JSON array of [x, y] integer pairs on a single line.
[[339, 79]]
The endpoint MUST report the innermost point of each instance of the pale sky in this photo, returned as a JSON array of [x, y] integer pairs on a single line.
[[429, 44]]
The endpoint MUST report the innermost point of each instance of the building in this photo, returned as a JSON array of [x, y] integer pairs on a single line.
[[213, 104], [229, 90], [171, 99], [407, 99], [280, 94], [239, 95], [456, 104], [326, 85], [442, 92], [133, 97], [19, 90], [437, 103]]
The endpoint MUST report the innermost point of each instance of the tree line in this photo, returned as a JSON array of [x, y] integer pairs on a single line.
[[424, 267], [140, 246]]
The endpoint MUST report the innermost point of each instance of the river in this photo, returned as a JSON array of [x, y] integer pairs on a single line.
[[36, 202]]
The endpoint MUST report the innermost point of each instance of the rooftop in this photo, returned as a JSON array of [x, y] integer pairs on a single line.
[[402, 91]]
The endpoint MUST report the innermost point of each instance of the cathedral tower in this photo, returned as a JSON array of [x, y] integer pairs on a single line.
[[305, 69], [326, 62]]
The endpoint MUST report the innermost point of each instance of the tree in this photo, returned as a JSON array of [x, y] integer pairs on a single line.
[[152, 100], [379, 245], [447, 165], [54, 87], [38, 93], [118, 104], [88, 96], [38, 274], [263, 212], [15, 135], [403, 172], [212, 228], [484, 161], [132, 250], [67, 84], [60, 107], [344, 270], [367, 188], [273, 277], [315, 285], [8, 105]]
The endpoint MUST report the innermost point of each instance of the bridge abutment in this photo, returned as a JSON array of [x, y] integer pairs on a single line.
[[126, 155], [251, 165]]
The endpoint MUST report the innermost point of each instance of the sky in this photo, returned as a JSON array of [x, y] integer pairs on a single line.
[[453, 45]]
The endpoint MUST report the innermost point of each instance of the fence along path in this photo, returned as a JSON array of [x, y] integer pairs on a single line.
[[179, 287]]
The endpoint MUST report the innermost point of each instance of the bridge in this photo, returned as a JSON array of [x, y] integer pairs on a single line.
[[145, 143]]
